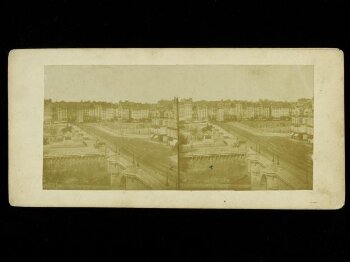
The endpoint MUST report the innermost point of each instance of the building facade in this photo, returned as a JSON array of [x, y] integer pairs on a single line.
[[303, 121]]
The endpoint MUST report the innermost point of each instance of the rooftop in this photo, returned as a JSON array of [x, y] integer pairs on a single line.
[[61, 150]]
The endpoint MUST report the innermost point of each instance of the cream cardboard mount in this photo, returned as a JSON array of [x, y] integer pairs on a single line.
[[116, 95]]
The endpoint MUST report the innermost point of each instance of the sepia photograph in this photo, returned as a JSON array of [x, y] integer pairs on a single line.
[[214, 129], [178, 127]]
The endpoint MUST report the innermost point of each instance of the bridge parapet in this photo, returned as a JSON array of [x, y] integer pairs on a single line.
[[263, 173]]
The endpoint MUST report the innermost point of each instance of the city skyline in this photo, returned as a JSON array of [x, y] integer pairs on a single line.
[[154, 83], [158, 127], [180, 98]]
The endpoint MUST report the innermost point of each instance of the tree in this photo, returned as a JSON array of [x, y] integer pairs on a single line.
[[195, 132], [53, 131], [183, 164], [183, 140], [207, 128]]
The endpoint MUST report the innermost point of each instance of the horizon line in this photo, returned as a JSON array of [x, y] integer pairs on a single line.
[[185, 98]]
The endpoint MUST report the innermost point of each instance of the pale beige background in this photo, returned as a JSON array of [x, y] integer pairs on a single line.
[[26, 97], [151, 83]]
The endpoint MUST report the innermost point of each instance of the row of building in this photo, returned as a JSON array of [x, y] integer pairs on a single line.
[[234, 110], [302, 117], [164, 113], [188, 110], [102, 111]]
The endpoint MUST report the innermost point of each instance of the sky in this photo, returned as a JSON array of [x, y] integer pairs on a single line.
[[149, 83]]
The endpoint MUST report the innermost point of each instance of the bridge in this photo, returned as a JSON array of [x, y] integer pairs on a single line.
[[127, 175], [263, 173], [214, 156], [213, 151]]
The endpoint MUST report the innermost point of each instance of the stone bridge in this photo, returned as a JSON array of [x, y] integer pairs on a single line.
[[262, 172]]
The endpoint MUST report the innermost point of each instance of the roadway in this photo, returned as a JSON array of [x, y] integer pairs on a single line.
[[294, 156], [153, 158]]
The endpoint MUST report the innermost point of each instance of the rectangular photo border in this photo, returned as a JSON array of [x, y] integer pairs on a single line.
[[26, 102]]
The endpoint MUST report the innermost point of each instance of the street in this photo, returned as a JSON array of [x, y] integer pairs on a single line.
[[294, 157], [152, 157]]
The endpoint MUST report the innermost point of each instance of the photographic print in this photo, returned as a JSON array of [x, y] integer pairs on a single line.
[[178, 127]]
